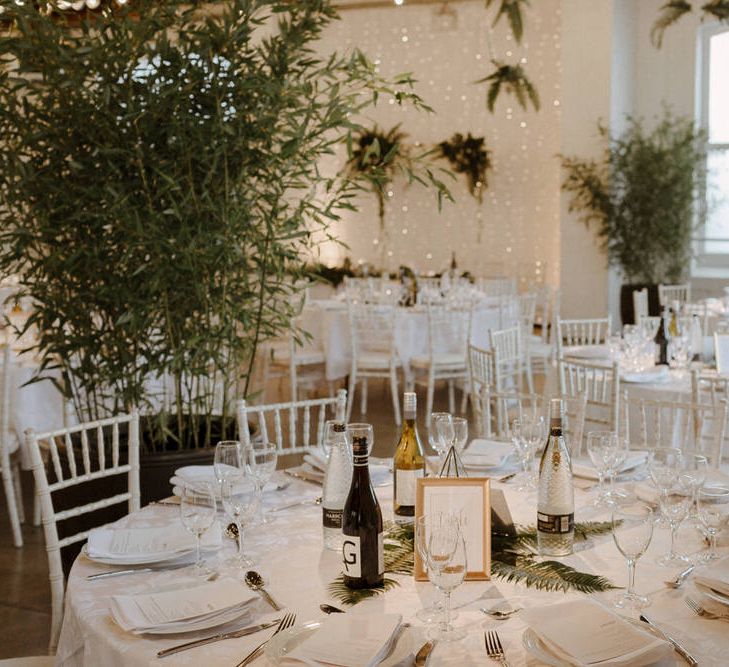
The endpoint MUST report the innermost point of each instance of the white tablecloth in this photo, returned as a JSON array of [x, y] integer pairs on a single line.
[[289, 554], [328, 324]]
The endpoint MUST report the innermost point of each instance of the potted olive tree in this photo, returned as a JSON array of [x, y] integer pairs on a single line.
[[160, 188], [640, 196]]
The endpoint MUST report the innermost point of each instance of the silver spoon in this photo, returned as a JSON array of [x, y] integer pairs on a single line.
[[255, 582], [422, 656], [330, 609], [498, 614]]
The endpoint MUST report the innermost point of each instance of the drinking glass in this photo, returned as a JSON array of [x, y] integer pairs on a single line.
[[446, 557], [619, 454], [197, 512], [600, 448], [239, 499], [675, 508], [692, 477], [524, 436], [664, 464], [435, 437], [228, 460], [434, 612], [632, 532], [264, 456], [460, 430], [713, 506], [328, 438]]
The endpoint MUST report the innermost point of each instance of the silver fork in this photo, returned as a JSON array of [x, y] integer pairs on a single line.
[[286, 622], [494, 649], [697, 608]]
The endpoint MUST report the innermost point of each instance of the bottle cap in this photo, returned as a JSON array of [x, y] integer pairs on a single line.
[[339, 427], [556, 412], [409, 401], [359, 445]]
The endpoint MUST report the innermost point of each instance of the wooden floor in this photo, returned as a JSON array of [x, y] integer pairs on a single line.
[[24, 589]]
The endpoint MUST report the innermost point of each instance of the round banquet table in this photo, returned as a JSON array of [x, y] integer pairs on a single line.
[[290, 556]]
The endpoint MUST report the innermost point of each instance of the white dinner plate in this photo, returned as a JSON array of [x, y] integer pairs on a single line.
[[531, 642], [151, 559], [286, 641], [712, 593]]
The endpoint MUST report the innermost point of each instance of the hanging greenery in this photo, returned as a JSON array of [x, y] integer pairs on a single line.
[[513, 558], [673, 10], [512, 10], [514, 80], [468, 155]]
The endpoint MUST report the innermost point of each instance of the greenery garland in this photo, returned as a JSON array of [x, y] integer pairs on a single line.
[[469, 156], [513, 559]]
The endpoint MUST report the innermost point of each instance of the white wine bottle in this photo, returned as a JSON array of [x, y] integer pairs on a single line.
[[408, 461], [556, 502]]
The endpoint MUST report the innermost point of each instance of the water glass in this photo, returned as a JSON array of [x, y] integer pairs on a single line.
[[526, 434], [239, 499], [460, 430], [632, 533], [600, 449], [433, 613], [619, 454], [674, 508], [692, 476], [664, 464], [360, 430], [197, 512], [228, 460], [713, 509], [436, 433], [264, 456]]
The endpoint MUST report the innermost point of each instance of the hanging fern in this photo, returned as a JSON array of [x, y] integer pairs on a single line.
[[514, 81], [468, 156], [719, 9], [673, 10], [512, 11]]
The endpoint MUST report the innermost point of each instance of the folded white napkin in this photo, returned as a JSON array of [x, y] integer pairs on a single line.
[[658, 374], [182, 608], [196, 475], [715, 576], [348, 640], [583, 633], [587, 351], [587, 471], [486, 453], [316, 460]]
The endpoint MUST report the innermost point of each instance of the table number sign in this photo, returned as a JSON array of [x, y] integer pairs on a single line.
[[467, 498]]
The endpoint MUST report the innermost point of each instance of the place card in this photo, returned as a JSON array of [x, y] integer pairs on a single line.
[[469, 499]]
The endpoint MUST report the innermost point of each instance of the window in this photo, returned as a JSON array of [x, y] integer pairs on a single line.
[[713, 111]]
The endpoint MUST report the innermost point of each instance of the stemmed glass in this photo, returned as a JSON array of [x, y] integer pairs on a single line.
[[692, 477], [526, 434], [460, 431], [435, 437], [239, 497], [197, 512], [434, 612], [619, 454], [600, 448], [264, 456], [663, 466], [713, 506], [632, 532], [675, 508], [228, 460], [446, 558]]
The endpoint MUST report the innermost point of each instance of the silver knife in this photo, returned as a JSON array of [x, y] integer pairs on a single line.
[[118, 573], [676, 646], [304, 477], [216, 638]]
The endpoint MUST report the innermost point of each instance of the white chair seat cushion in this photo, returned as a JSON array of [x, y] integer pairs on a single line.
[[375, 360], [540, 349], [303, 357], [442, 360]]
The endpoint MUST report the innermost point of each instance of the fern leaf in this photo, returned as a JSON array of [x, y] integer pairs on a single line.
[[512, 11], [533, 94], [671, 12], [549, 575], [338, 590], [493, 94]]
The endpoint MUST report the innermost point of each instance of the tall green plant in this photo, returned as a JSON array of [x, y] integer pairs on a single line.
[[640, 196], [159, 188]]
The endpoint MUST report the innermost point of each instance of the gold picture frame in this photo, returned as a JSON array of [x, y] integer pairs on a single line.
[[467, 496]]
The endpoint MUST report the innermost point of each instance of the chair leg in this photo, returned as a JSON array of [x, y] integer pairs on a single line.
[[36, 510], [451, 397], [395, 397], [7, 474], [464, 395], [350, 392], [530, 376], [429, 398], [363, 397], [17, 485]]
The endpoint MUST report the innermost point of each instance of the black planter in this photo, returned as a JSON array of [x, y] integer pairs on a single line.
[[155, 470], [626, 302]]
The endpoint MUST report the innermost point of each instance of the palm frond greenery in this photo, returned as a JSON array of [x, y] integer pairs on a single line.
[[512, 11], [673, 10], [512, 559], [719, 9], [513, 80], [468, 155]]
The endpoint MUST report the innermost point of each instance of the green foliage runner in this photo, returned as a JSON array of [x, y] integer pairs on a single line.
[[513, 558]]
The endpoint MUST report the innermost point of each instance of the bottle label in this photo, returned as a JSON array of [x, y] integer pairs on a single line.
[[405, 486], [331, 518], [556, 524], [351, 554]]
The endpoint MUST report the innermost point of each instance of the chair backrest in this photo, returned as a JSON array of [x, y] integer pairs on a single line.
[[79, 454], [310, 416], [640, 304], [372, 329], [527, 311], [667, 294], [449, 330], [544, 311], [509, 358], [583, 332], [692, 427], [496, 286], [600, 385], [481, 376]]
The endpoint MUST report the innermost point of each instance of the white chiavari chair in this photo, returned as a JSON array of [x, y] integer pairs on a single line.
[[540, 346], [510, 360], [374, 352], [710, 389], [77, 455], [601, 387], [692, 427], [667, 294], [496, 286], [594, 331], [9, 464], [311, 416], [480, 378], [640, 304], [449, 332]]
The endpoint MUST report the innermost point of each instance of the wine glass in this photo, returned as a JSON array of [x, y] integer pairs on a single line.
[[534, 430], [713, 507], [521, 436], [435, 437], [228, 460], [264, 456], [434, 612], [239, 498], [619, 454], [675, 508], [446, 557], [460, 430], [599, 447], [632, 532], [663, 466], [692, 477], [329, 437], [197, 512]]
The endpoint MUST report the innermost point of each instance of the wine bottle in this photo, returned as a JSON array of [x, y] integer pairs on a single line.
[[363, 558], [337, 479], [556, 501], [697, 338], [408, 462], [673, 328], [661, 340]]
